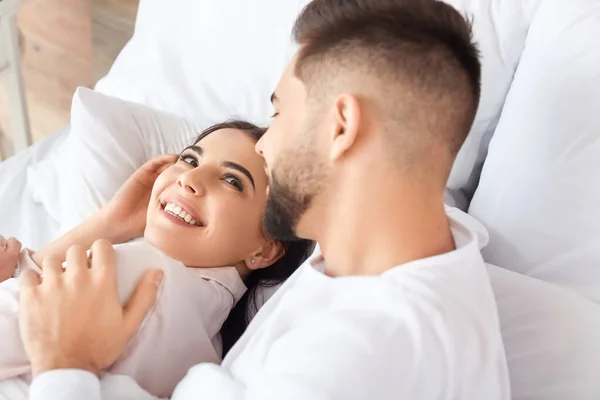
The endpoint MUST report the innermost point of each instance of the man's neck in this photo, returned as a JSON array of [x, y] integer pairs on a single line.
[[369, 231]]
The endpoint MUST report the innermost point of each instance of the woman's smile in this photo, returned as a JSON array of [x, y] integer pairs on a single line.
[[178, 210]]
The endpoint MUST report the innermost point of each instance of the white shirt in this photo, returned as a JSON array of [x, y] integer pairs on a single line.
[[423, 330], [181, 330]]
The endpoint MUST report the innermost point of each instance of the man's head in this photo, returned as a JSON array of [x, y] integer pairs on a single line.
[[387, 85]]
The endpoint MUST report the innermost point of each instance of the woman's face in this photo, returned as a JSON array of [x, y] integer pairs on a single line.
[[206, 210]]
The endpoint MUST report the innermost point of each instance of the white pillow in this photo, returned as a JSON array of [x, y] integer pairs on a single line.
[[539, 194], [208, 60], [109, 139], [499, 28], [550, 336]]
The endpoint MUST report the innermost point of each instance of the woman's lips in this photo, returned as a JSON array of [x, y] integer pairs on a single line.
[[182, 211], [177, 220]]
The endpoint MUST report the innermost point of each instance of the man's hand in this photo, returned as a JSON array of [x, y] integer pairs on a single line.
[[73, 318], [9, 255], [127, 209]]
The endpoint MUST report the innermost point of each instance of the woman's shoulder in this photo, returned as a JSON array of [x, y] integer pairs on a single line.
[[134, 259]]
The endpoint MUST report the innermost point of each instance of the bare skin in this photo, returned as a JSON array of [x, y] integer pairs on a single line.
[[9, 254]]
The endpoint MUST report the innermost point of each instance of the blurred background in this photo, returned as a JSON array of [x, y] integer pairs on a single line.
[[65, 44]]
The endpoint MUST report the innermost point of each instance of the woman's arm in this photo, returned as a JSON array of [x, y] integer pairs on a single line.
[[122, 219], [85, 234]]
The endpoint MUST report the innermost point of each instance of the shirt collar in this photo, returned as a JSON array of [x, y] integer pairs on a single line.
[[466, 230], [316, 260], [228, 277]]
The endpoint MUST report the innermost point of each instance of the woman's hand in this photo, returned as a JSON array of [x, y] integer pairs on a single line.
[[9, 255], [74, 318], [126, 211]]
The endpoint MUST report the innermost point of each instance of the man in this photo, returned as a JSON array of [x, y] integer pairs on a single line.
[[369, 116]]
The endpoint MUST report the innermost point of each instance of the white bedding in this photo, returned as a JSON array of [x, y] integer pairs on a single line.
[[24, 219], [20, 216], [14, 389]]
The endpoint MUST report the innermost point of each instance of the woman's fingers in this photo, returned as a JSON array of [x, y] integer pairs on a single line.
[[147, 173], [158, 164], [13, 246], [12, 249]]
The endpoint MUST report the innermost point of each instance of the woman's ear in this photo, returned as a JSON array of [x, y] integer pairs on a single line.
[[346, 124], [270, 253]]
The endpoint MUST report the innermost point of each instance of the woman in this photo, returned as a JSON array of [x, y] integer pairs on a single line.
[[9, 251], [201, 219]]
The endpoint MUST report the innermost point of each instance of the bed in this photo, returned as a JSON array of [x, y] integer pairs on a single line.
[[529, 169], [21, 216]]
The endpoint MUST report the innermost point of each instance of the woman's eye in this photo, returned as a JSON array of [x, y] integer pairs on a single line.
[[235, 182], [189, 160], [274, 114]]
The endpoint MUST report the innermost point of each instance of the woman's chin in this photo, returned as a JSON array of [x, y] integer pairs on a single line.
[[177, 249], [165, 242], [190, 251]]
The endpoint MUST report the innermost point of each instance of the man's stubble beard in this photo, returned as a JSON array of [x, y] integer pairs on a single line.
[[297, 178]]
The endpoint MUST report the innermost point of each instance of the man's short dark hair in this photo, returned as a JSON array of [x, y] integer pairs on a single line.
[[421, 50]]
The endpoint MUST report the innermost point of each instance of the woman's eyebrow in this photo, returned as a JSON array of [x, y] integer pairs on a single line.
[[239, 168], [197, 149]]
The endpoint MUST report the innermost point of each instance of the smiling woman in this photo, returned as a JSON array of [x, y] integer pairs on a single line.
[[206, 210], [201, 214], [220, 184]]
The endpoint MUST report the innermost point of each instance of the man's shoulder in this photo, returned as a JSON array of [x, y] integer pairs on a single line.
[[406, 306]]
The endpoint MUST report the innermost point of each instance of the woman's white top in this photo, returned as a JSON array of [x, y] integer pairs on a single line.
[[424, 330], [181, 330]]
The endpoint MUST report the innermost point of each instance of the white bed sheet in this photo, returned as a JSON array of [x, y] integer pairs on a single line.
[[14, 389], [20, 215]]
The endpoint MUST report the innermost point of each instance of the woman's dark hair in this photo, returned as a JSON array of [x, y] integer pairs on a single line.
[[295, 253]]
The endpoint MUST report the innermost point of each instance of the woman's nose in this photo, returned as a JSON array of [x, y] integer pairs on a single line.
[[190, 185]]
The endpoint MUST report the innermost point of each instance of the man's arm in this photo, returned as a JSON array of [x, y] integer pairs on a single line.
[[65, 384], [323, 359], [335, 356], [341, 355]]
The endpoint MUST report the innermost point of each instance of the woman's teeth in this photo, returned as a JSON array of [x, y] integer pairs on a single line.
[[179, 212]]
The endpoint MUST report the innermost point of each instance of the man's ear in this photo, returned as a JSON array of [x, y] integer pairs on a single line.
[[268, 255], [346, 126]]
